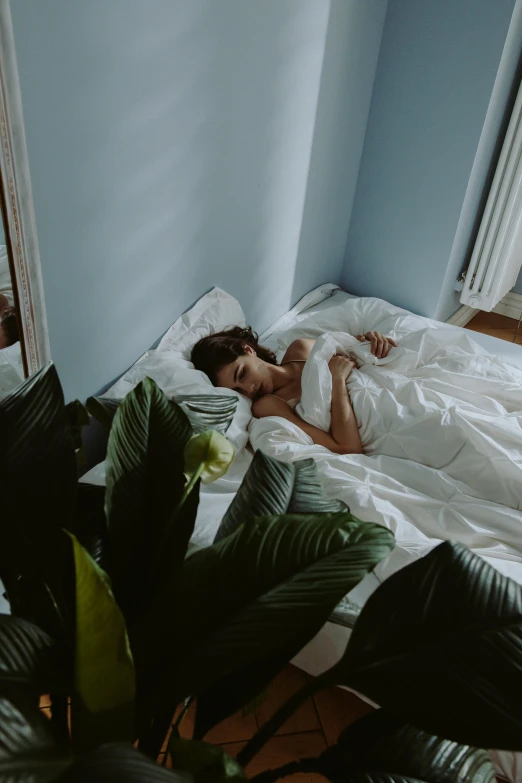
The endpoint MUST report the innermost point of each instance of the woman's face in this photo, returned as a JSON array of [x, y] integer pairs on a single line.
[[247, 374]]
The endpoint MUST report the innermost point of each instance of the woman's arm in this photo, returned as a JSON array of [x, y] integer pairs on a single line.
[[344, 427], [271, 406]]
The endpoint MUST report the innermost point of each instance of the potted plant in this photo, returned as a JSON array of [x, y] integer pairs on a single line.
[[114, 619]]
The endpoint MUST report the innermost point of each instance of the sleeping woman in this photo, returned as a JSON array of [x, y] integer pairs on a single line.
[[234, 359]]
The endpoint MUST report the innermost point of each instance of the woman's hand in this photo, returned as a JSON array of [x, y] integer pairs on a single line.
[[341, 367], [381, 345]]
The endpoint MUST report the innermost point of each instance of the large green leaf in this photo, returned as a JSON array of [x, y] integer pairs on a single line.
[[119, 764], [269, 487], [445, 630], [379, 742], [38, 476], [265, 489], [204, 411], [39, 473], [274, 487], [38, 489], [307, 494], [30, 659], [204, 762], [28, 751], [103, 708], [265, 589], [145, 481], [209, 411]]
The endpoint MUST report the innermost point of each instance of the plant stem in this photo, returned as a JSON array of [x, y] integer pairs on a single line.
[[182, 713], [255, 744], [153, 739], [59, 718], [272, 775]]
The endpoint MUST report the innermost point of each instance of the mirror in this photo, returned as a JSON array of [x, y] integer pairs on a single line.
[[24, 343], [11, 362]]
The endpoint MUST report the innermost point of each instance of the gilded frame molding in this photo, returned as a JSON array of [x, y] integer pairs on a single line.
[[17, 206]]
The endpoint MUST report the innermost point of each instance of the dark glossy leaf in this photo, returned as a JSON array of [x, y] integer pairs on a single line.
[[38, 484], [28, 751], [209, 411], [445, 630], [269, 484], [206, 763], [40, 466], [273, 487], [204, 411], [380, 742], [266, 489], [145, 481], [307, 494], [103, 409], [29, 658], [119, 764], [38, 476], [269, 587], [90, 526]]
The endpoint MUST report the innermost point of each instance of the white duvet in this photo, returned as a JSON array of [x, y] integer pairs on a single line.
[[441, 426]]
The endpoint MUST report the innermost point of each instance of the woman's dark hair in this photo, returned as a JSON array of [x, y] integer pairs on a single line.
[[217, 350], [9, 326]]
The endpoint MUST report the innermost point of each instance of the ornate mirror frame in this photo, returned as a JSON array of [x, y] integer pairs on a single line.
[[17, 206]]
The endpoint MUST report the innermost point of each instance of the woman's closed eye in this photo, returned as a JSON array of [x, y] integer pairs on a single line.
[[240, 376]]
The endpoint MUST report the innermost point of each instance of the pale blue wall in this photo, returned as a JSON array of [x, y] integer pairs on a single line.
[[435, 76], [518, 285], [175, 145]]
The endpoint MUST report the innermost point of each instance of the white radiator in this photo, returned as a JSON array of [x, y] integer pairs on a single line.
[[497, 255]]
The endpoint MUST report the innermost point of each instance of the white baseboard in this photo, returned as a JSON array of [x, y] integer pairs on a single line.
[[510, 305], [463, 316]]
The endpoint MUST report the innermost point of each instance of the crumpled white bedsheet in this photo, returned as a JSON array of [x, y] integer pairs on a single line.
[[441, 426]]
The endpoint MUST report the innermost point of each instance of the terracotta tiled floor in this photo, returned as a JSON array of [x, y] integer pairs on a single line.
[[309, 731], [495, 325]]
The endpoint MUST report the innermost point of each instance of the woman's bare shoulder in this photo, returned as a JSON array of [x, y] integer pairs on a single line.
[[299, 349], [271, 405]]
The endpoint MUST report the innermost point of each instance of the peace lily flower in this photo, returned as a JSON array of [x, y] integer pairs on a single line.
[[207, 456]]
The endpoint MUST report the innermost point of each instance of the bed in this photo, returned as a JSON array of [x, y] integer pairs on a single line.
[[421, 504]]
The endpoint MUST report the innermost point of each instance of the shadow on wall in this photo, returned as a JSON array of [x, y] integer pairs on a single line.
[[172, 151], [350, 61], [175, 146]]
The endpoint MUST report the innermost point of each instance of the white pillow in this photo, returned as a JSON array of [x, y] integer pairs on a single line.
[[214, 312], [170, 366]]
